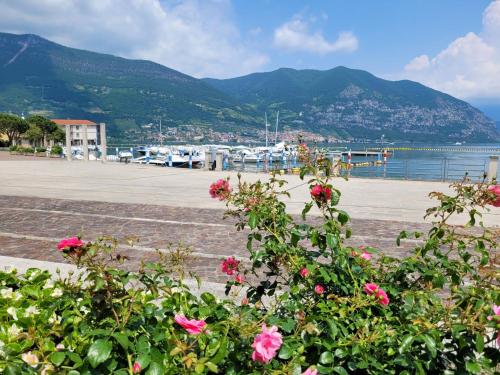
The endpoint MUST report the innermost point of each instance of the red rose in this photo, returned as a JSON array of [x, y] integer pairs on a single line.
[[321, 193], [319, 289]]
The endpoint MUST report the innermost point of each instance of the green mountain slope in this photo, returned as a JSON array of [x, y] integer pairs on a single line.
[[356, 102], [41, 77], [37, 75]]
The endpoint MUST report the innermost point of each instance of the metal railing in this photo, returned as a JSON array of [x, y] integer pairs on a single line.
[[425, 169], [446, 169]]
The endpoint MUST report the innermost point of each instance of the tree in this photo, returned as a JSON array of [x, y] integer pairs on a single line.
[[45, 125], [58, 135], [33, 134], [12, 126]]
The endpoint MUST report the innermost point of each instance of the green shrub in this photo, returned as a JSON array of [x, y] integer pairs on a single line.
[[25, 150], [328, 307], [13, 148], [40, 149], [56, 150]]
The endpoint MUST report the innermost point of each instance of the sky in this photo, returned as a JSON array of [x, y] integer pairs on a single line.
[[450, 45]]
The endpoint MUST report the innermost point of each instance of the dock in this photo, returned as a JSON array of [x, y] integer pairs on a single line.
[[480, 149]]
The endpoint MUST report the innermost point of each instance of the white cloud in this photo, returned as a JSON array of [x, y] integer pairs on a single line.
[[295, 35], [469, 67], [418, 63], [196, 37]]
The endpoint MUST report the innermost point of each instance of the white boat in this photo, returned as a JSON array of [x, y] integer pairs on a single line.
[[125, 154], [243, 153], [139, 160], [182, 161]]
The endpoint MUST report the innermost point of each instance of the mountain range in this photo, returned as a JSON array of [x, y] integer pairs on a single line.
[[42, 77]]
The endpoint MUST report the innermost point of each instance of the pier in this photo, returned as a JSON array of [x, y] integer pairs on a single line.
[[478, 149], [362, 153]]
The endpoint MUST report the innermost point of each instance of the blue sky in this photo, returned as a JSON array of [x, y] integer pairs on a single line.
[[390, 33], [450, 45]]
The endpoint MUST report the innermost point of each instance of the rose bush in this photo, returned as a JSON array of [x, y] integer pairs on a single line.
[[318, 306]]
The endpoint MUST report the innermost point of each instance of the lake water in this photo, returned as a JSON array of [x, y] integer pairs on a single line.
[[418, 161], [442, 163]]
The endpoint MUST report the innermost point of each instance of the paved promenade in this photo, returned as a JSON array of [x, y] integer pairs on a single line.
[[42, 201]]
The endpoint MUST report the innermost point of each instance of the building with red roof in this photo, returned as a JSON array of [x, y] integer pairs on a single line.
[[77, 127]]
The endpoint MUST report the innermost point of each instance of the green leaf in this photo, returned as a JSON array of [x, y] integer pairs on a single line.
[[75, 358], [407, 341], [208, 298], [155, 369], [340, 370], [287, 325], [221, 353], [12, 370], [402, 235], [335, 197], [479, 342], [331, 241], [332, 327], [57, 358], [212, 367], [306, 209], [430, 344], [341, 353], [144, 360], [252, 220], [343, 217], [143, 346], [199, 368], [285, 352], [325, 275], [122, 339], [99, 351], [473, 367], [326, 358]]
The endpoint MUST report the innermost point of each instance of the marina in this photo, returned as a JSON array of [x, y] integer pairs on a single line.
[[419, 162]]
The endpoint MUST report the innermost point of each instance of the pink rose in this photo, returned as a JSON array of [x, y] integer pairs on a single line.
[[239, 278], [304, 272], [229, 265], [220, 189], [71, 243], [496, 190], [266, 344], [496, 311], [366, 255], [244, 301], [136, 369], [371, 288], [319, 289], [382, 297], [309, 371], [193, 326], [380, 294]]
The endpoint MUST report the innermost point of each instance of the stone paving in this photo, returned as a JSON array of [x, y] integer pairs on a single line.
[[31, 227], [43, 200]]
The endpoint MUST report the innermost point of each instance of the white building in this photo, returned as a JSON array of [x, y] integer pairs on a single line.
[[77, 127]]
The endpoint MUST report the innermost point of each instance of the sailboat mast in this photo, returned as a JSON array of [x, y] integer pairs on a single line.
[[276, 131], [265, 114], [161, 135]]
